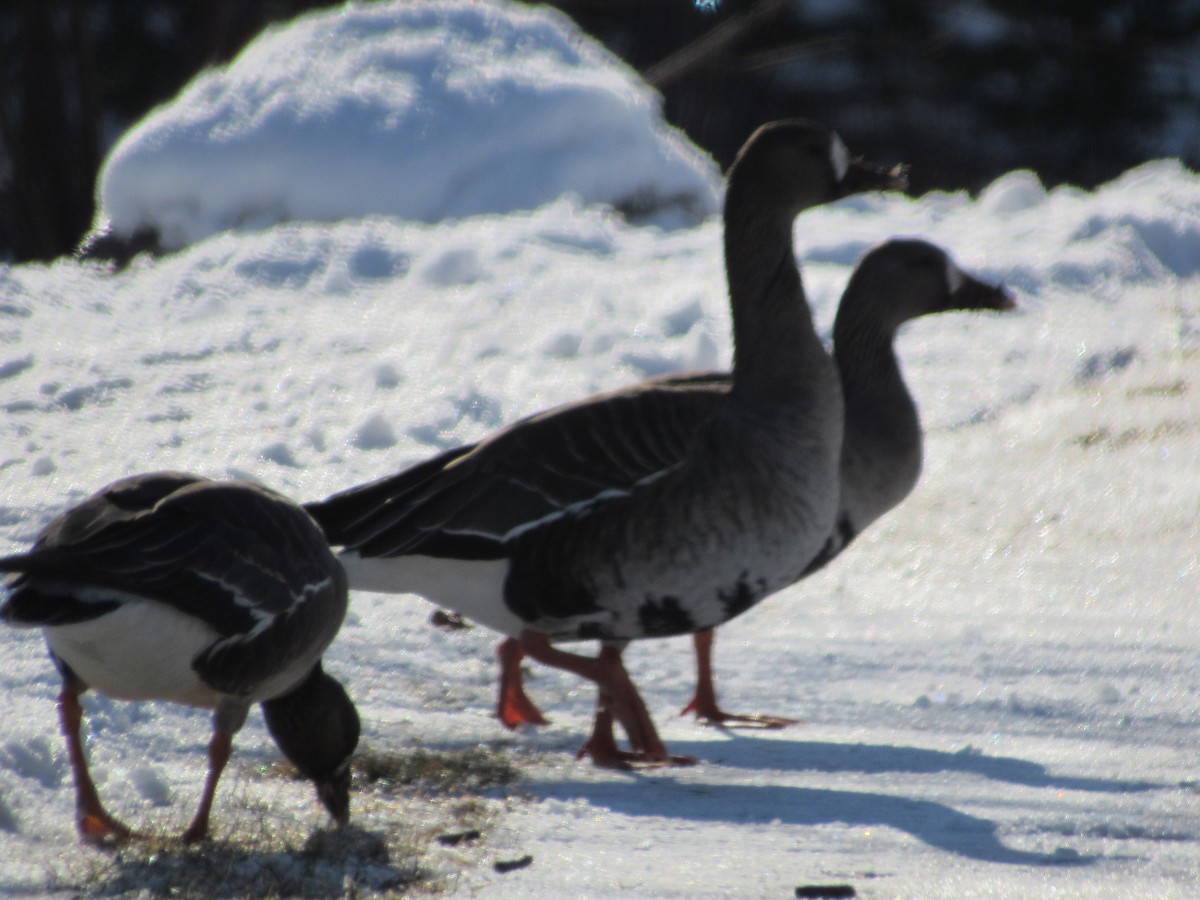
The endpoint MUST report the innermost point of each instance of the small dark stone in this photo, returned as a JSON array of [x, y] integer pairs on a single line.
[[449, 621], [826, 890], [453, 839], [511, 865]]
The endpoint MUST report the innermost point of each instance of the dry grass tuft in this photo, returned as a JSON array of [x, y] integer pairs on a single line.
[[1114, 440], [331, 863], [469, 770], [402, 802]]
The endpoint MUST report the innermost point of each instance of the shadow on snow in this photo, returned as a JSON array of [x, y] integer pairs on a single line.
[[877, 759], [933, 823]]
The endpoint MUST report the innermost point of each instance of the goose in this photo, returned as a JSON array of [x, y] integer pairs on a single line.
[[219, 595], [648, 511], [899, 280]]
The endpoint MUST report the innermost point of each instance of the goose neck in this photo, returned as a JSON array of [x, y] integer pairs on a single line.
[[881, 416], [772, 322], [864, 348]]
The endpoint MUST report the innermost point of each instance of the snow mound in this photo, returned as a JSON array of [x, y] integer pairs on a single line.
[[1012, 193], [419, 110], [1141, 228]]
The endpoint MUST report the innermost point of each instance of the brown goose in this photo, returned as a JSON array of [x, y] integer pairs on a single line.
[[649, 511], [882, 448], [167, 586]]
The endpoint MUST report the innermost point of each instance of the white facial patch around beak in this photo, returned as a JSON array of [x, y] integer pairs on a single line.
[[839, 156], [955, 278]]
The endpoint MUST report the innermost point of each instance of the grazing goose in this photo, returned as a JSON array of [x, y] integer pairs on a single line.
[[881, 451], [648, 511], [167, 586]]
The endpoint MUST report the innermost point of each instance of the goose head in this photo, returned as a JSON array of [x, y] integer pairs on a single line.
[[903, 279], [796, 164], [317, 728]]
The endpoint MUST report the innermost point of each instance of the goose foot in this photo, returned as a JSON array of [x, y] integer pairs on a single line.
[[98, 829], [602, 748], [717, 718], [619, 699], [704, 702], [514, 708]]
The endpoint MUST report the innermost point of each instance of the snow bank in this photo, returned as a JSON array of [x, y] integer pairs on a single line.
[[421, 110]]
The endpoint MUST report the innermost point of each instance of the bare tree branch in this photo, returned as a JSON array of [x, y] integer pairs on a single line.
[[701, 52]]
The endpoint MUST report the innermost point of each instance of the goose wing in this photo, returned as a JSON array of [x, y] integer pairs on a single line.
[[84, 548], [469, 501]]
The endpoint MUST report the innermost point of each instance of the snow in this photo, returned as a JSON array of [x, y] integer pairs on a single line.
[[423, 111], [999, 679]]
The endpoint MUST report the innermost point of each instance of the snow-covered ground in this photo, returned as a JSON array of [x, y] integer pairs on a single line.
[[999, 680]]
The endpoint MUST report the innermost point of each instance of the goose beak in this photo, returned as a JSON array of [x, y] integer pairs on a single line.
[[976, 294], [334, 793], [862, 177]]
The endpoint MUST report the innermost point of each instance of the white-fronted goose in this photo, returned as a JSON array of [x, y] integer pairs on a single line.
[[649, 511], [882, 449], [167, 586]]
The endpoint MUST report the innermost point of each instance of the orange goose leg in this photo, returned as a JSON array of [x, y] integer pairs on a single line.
[[619, 699], [601, 746], [93, 822], [514, 706], [704, 703], [219, 748]]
